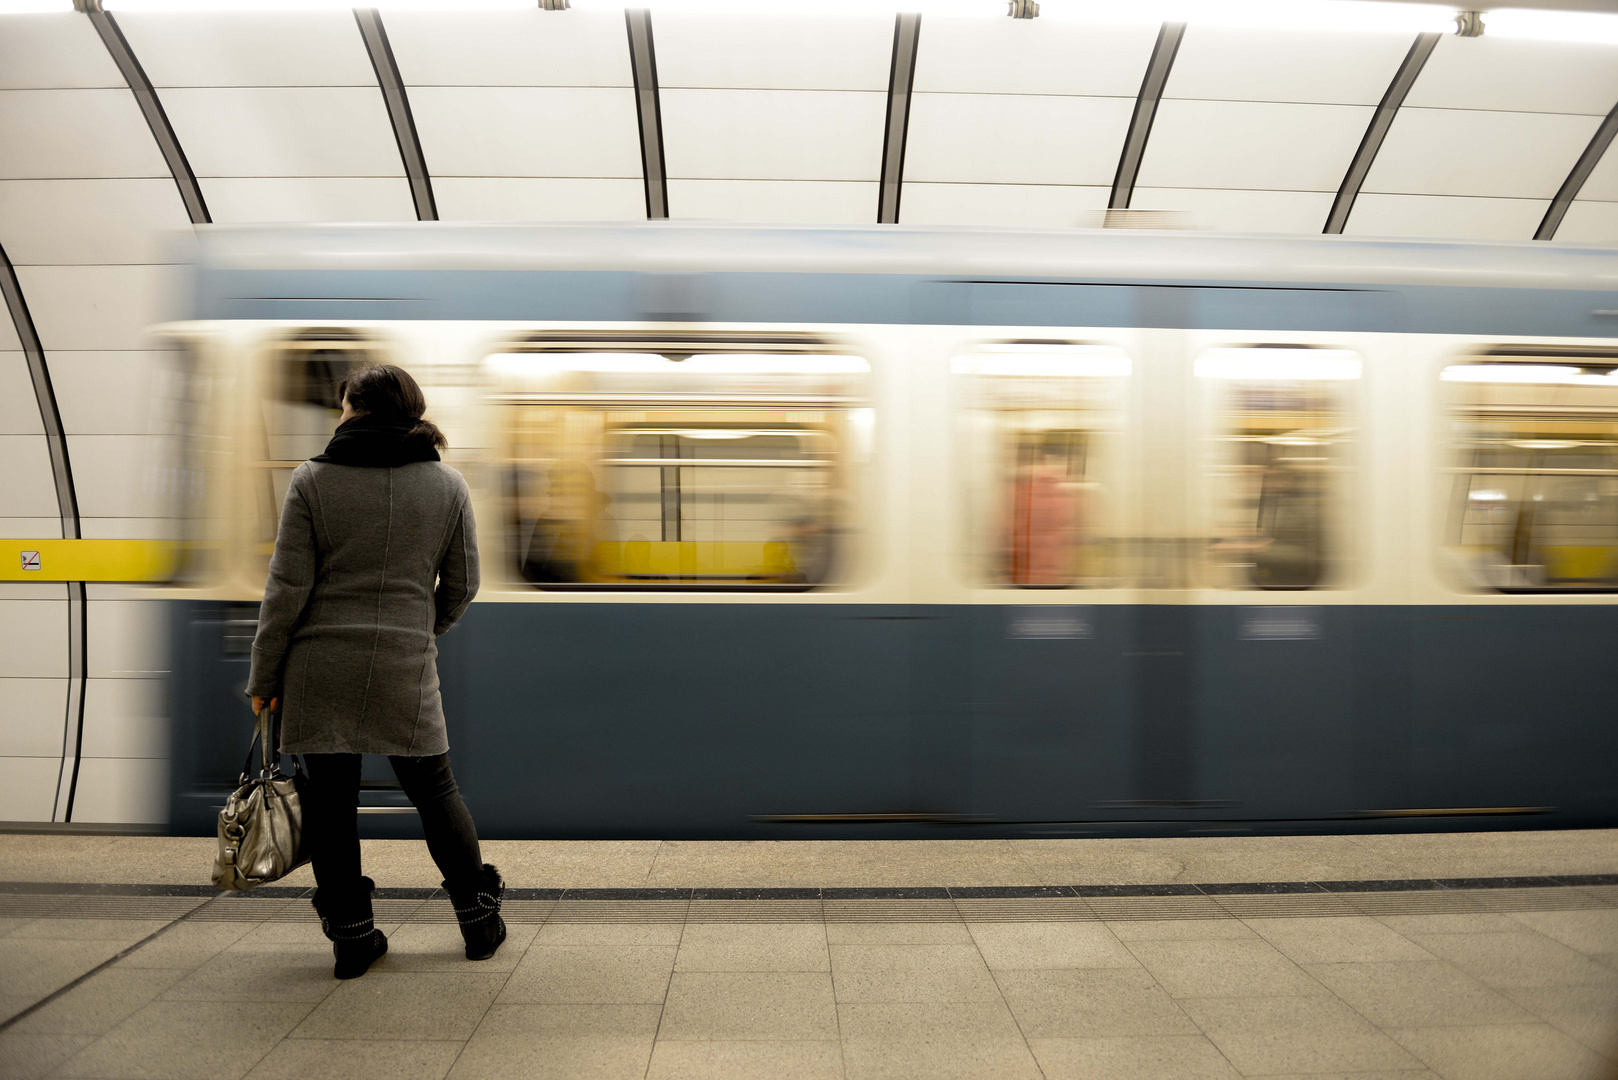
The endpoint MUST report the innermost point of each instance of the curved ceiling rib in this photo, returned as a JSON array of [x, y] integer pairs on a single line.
[[901, 77], [1575, 180], [648, 111], [1381, 121], [67, 504], [1140, 123], [398, 103], [151, 108]]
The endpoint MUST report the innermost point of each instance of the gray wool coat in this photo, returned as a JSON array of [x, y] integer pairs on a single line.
[[370, 566]]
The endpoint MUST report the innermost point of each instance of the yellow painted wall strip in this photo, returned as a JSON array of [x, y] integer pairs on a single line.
[[87, 560]]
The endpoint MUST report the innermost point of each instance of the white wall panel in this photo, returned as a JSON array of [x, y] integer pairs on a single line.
[[53, 50], [763, 52], [1233, 64], [127, 639], [88, 221], [284, 131], [997, 55], [29, 528], [1590, 223], [1511, 75], [1452, 152], [19, 409], [122, 791], [109, 393], [1249, 144], [1015, 139], [242, 199], [1227, 210], [28, 788], [75, 133], [1448, 217], [141, 528], [1000, 204], [8, 332], [126, 718], [225, 48], [32, 715], [20, 590], [1602, 183], [117, 476], [528, 131], [511, 48], [502, 198], [774, 200], [26, 487], [92, 307], [773, 134], [33, 639]]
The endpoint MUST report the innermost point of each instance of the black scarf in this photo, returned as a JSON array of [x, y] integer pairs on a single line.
[[376, 443]]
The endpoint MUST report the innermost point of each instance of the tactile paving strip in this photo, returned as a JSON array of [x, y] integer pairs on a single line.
[[843, 905]]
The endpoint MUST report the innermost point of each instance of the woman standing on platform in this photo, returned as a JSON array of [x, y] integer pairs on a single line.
[[376, 556]]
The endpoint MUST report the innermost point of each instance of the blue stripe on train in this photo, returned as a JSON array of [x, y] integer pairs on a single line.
[[720, 720], [316, 296]]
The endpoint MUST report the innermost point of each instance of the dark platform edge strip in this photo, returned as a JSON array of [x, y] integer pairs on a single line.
[[951, 892]]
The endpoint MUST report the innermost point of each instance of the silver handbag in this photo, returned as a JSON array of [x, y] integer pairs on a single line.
[[261, 825]]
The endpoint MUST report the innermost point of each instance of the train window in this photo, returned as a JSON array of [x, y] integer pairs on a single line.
[[301, 409], [1282, 435], [1043, 425], [1534, 503], [705, 463]]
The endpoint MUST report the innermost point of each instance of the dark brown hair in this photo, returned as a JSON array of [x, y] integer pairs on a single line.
[[387, 392]]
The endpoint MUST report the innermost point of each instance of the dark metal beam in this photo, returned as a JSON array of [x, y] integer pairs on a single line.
[[67, 505], [151, 108], [398, 103], [1381, 121], [901, 78], [1140, 124], [1575, 180], [648, 110]]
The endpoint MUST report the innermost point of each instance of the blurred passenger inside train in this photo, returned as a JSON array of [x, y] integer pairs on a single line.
[[1045, 513]]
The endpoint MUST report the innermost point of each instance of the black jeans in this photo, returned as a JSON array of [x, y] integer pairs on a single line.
[[331, 833]]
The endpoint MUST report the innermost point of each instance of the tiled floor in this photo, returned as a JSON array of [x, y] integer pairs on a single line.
[[1521, 995], [1519, 983]]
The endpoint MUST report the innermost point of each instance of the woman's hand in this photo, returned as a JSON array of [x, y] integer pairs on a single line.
[[258, 704]]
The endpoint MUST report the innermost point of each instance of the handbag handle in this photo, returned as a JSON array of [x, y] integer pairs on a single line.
[[264, 736]]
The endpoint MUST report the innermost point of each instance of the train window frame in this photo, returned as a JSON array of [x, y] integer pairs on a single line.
[[986, 523], [272, 472], [1553, 371], [1329, 563], [638, 383]]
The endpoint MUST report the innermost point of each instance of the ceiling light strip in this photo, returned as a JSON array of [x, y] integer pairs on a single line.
[[67, 505], [398, 103], [1381, 121], [648, 111], [151, 108], [1575, 180], [901, 80], [1140, 124]]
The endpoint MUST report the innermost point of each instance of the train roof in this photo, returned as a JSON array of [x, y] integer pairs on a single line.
[[1101, 255]]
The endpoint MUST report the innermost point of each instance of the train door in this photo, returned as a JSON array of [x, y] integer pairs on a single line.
[[1047, 500], [1277, 423]]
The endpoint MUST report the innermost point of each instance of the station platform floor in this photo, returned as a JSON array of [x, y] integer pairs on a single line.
[[1467, 956]]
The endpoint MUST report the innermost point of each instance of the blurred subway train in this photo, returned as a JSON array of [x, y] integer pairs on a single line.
[[888, 532]]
